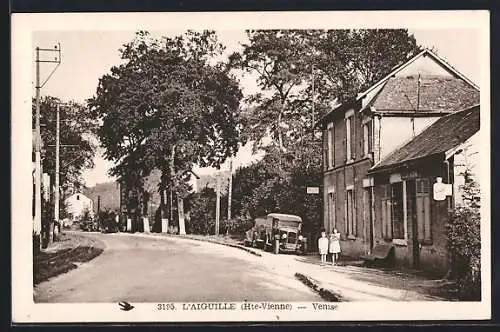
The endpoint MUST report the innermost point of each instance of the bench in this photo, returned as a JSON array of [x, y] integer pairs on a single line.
[[381, 252]]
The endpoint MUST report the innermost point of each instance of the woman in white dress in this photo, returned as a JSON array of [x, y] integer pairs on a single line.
[[334, 247]]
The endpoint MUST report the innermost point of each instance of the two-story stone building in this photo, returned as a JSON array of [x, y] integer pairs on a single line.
[[364, 130]]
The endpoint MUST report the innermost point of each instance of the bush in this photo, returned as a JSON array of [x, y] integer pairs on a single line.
[[465, 242], [236, 226]]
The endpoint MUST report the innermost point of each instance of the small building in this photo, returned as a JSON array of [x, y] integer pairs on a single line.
[[77, 205], [409, 214], [366, 129]]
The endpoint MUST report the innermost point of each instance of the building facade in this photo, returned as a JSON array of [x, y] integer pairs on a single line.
[[363, 131], [411, 212]]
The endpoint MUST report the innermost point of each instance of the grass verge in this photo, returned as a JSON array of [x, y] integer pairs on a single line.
[[64, 255], [325, 294]]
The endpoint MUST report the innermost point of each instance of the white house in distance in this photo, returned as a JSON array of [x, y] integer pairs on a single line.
[[77, 204]]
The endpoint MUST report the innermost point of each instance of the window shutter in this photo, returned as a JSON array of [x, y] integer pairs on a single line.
[[353, 137], [366, 145], [386, 212], [423, 209], [346, 220], [333, 145], [370, 136], [353, 212], [325, 149], [427, 216], [348, 142]]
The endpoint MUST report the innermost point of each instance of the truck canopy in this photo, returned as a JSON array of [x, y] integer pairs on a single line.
[[286, 220], [286, 217]]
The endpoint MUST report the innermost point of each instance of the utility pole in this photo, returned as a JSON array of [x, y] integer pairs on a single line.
[[56, 180], [99, 209], [230, 189], [37, 224], [37, 227], [217, 204]]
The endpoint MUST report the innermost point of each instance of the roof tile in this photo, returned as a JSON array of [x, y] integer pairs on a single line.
[[437, 94]]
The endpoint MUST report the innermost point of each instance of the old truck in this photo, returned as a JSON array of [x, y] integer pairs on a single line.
[[277, 232]]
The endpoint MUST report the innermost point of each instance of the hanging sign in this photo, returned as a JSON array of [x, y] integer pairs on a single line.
[[441, 190], [313, 190]]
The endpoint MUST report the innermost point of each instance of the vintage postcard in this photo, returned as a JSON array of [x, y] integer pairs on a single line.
[[250, 166]]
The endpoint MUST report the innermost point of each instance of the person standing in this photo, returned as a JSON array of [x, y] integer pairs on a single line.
[[334, 247], [323, 246]]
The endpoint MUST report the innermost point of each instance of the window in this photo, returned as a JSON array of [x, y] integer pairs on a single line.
[[423, 206], [367, 138], [393, 210], [350, 217], [386, 212], [349, 139], [331, 146], [397, 210]]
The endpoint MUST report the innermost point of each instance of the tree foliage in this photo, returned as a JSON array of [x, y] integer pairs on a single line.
[[169, 106], [76, 128], [342, 63]]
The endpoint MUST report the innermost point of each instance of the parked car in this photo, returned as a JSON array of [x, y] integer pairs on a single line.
[[278, 232]]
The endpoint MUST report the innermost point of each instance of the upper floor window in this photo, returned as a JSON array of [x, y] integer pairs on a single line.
[[367, 138], [331, 145], [350, 136]]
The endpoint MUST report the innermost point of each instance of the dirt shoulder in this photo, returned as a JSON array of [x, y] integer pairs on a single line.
[[65, 255]]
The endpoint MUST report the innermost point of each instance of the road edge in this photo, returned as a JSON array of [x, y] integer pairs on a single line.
[[326, 294], [237, 246]]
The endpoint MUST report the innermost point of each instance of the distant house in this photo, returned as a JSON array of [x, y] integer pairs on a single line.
[[367, 128], [407, 212], [77, 204]]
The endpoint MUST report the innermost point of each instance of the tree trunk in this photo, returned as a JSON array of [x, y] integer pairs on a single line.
[[280, 134], [162, 203], [180, 210], [180, 200]]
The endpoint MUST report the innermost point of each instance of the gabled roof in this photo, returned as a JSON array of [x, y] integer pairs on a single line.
[[435, 93], [406, 64], [445, 134], [385, 80]]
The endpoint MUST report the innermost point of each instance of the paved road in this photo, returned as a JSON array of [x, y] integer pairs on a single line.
[[138, 268]]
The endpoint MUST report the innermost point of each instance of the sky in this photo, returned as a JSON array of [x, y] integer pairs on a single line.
[[88, 55]]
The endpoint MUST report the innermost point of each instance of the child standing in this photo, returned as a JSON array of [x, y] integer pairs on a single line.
[[323, 246], [334, 247]]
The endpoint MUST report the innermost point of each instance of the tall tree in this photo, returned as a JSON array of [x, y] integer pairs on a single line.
[[77, 149], [349, 61], [340, 62], [278, 59], [170, 106]]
